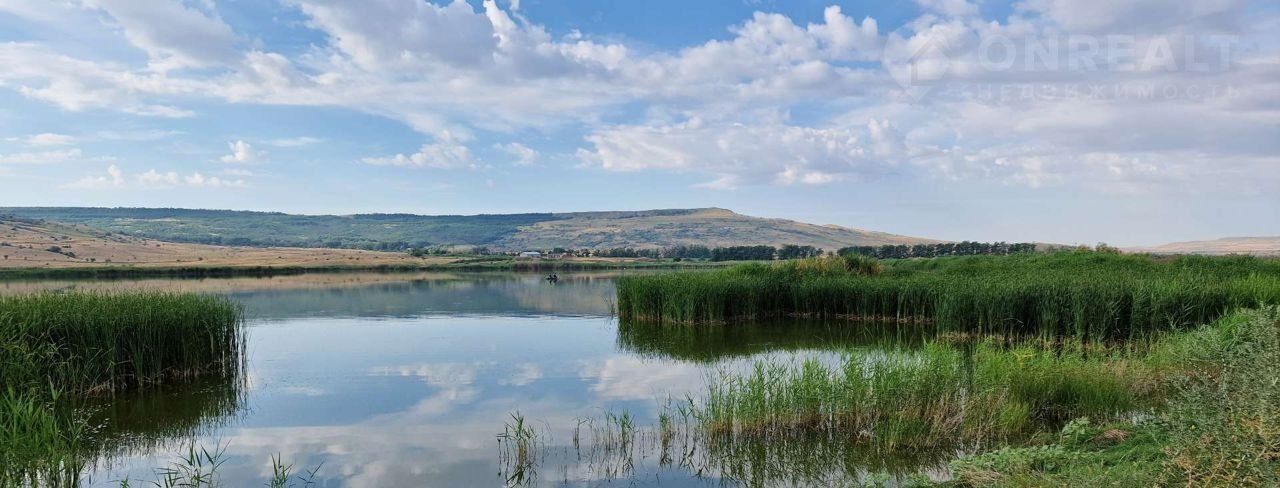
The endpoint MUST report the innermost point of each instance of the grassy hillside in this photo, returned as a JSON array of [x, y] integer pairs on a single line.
[[49, 245], [654, 228], [1269, 246]]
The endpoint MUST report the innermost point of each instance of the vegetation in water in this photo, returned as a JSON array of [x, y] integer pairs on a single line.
[[93, 343], [940, 397], [62, 352], [1190, 408], [1087, 295], [1220, 425]]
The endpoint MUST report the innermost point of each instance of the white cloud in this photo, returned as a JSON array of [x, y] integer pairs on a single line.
[[446, 153], [136, 135], [721, 108], [75, 85], [114, 178], [173, 35], [49, 139], [199, 180], [741, 154], [153, 179], [524, 155], [156, 178], [241, 153], [41, 157], [300, 141]]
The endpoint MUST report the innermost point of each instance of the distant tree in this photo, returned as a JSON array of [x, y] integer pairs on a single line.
[[687, 252], [743, 253], [792, 251], [1103, 247], [964, 248]]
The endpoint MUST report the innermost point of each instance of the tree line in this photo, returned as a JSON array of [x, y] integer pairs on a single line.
[[966, 248]]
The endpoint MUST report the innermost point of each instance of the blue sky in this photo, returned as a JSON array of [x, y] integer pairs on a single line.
[[1124, 121]]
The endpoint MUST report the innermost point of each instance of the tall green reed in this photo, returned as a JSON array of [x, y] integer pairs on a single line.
[[1091, 296]]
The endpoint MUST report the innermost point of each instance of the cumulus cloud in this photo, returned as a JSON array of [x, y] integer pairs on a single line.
[[922, 97], [156, 178], [200, 180], [738, 153], [241, 153], [448, 152], [172, 34], [524, 155], [113, 178], [38, 72]]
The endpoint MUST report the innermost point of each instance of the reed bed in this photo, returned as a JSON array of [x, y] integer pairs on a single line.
[[942, 395], [85, 343], [59, 353], [1093, 296]]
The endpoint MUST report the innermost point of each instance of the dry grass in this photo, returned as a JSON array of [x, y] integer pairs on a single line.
[[29, 247], [712, 227], [1261, 246]]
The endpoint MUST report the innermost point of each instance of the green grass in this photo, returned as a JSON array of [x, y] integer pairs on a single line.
[[92, 343], [1092, 296], [1220, 425], [941, 396], [59, 353]]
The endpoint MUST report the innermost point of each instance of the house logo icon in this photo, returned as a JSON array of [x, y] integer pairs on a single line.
[[927, 68]]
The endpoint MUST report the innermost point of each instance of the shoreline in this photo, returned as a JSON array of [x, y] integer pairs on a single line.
[[127, 271]]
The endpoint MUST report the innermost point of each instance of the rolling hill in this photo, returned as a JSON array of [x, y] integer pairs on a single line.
[[641, 229], [44, 244], [1227, 245]]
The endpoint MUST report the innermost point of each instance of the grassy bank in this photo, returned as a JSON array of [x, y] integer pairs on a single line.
[[1188, 408], [1220, 425], [58, 352], [1095, 296]]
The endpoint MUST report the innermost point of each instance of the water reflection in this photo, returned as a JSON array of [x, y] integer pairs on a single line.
[[712, 343], [404, 380], [609, 452]]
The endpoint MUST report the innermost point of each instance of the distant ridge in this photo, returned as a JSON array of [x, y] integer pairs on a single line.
[[710, 227], [1269, 246]]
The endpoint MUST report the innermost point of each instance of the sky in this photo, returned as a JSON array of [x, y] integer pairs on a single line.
[[1074, 121]]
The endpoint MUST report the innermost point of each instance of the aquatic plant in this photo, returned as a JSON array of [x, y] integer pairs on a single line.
[[86, 343], [1091, 296], [1220, 425], [940, 396], [60, 352]]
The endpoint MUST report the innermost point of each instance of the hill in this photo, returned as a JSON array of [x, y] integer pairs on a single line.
[[42, 244], [641, 229], [1226, 245]]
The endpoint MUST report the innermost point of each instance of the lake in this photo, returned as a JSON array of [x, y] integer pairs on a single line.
[[409, 380]]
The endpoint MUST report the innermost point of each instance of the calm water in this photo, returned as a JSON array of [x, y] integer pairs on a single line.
[[406, 380]]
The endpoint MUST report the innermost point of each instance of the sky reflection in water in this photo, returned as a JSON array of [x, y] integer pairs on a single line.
[[406, 382]]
